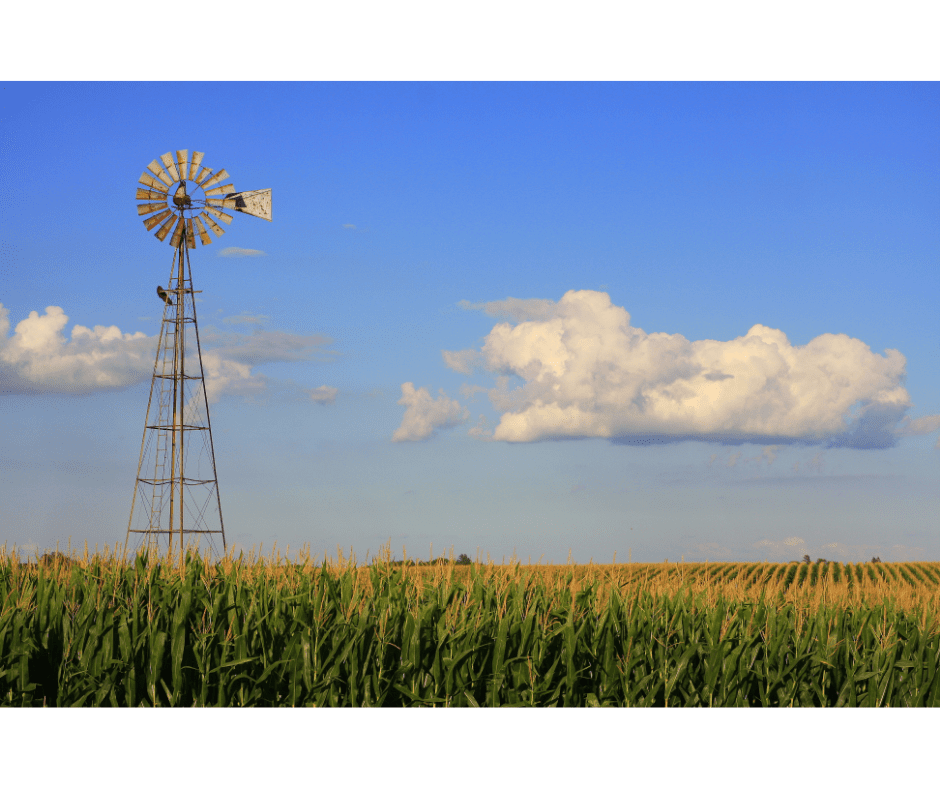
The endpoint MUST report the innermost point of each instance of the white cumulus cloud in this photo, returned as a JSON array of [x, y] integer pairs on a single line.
[[586, 372], [225, 376], [39, 358], [424, 415]]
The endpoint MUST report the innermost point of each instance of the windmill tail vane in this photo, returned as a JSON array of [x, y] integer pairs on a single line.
[[176, 493]]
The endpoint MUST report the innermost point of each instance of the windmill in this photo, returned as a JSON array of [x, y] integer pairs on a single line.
[[176, 493]]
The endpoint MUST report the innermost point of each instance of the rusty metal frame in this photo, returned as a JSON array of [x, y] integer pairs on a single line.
[[186, 222], [174, 426]]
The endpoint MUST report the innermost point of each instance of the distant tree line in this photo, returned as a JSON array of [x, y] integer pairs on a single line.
[[462, 560], [808, 560]]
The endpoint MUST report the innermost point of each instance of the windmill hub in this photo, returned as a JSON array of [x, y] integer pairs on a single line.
[[193, 210], [181, 199]]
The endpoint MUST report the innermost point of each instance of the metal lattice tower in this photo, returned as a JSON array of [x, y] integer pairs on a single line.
[[176, 494]]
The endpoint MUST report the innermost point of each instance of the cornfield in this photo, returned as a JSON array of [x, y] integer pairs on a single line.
[[107, 630]]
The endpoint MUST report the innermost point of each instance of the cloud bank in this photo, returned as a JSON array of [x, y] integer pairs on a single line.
[[425, 415], [586, 372], [38, 358]]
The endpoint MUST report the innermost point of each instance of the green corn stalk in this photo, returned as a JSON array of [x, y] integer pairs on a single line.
[[142, 634]]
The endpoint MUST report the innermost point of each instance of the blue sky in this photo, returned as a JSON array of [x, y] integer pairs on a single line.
[[502, 317]]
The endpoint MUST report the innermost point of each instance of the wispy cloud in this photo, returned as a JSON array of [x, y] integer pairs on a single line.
[[790, 548], [515, 309], [349, 227], [324, 395], [424, 415], [468, 391], [768, 455], [245, 317], [586, 372], [235, 251], [922, 426], [709, 551], [463, 361], [481, 431], [232, 358], [762, 469], [261, 346]]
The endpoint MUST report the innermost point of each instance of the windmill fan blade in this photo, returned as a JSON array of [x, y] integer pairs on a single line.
[[190, 235], [213, 226], [157, 170], [182, 163], [204, 173], [167, 159], [214, 179], [153, 221], [226, 203], [203, 235], [177, 233], [145, 194], [148, 180], [219, 215], [227, 189], [197, 162], [150, 207], [165, 227]]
